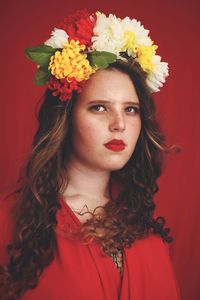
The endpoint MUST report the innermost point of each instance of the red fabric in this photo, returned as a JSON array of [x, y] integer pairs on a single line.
[[80, 271]]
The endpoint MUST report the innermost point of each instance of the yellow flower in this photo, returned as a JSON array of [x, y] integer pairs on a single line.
[[70, 62], [130, 41], [145, 55]]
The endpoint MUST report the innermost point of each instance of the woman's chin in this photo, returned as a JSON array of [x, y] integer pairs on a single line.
[[116, 166]]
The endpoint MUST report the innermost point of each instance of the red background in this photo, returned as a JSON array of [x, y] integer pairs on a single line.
[[173, 26]]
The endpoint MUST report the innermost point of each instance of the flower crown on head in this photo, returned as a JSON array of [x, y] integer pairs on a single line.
[[84, 43]]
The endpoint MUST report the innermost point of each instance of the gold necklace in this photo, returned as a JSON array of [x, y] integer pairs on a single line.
[[118, 260]]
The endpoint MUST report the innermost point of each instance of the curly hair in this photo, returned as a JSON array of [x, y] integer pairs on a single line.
[[125, 219]]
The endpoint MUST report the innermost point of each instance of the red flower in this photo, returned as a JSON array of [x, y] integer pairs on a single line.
[[64, 89], [79, 26]]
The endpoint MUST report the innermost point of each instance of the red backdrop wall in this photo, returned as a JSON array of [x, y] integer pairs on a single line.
[[173, 26]]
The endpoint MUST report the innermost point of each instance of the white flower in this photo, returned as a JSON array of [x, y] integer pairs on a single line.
[[134, 35], [58, 38], [156, 78], [141, 34], [107, 34]]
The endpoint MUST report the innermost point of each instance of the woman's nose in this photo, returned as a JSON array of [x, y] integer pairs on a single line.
[[117, 122]]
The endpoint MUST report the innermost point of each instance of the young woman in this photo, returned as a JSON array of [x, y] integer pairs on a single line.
[[82, 224]]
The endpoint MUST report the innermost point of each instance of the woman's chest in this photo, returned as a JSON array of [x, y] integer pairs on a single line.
[[78, 272]]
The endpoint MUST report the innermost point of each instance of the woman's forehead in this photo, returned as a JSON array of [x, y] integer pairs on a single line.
[[109, 85]]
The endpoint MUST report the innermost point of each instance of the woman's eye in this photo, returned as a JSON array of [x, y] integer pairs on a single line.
[[97, 108], [132, 109]]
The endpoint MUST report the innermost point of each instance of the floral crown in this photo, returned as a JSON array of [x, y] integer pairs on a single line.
[[84, 43]]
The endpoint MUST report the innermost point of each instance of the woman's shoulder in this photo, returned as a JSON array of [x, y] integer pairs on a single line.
[[150, 249], [153, 242]]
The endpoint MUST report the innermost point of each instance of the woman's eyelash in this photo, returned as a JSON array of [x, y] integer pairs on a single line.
[[131, 108], [100, 107], [97, 107]]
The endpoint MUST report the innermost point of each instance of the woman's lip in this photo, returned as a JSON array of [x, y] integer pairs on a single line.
[[115, 145], [115, 142]]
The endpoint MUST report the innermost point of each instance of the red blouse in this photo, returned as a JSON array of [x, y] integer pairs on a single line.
[[80, 272]]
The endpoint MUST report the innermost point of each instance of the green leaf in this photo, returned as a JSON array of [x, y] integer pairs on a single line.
[[40, 54], [101, 59], [42, 76]]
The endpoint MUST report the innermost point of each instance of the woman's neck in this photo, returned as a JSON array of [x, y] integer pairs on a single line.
[[86, 186]]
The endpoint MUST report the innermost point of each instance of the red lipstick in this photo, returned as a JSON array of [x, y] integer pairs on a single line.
[[115, 145]]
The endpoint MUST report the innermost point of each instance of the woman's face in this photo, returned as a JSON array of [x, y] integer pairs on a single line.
[[106, 122]]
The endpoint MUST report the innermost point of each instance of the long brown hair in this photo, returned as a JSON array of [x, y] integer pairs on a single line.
[[125, 219]]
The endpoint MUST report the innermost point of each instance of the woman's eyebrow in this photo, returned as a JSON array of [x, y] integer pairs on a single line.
[[110, 102]]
